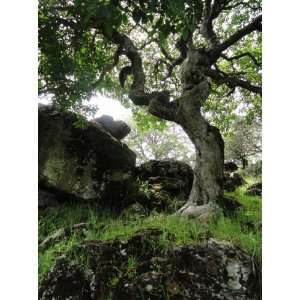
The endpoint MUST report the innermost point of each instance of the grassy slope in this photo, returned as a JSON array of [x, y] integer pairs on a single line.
[[104, 226]]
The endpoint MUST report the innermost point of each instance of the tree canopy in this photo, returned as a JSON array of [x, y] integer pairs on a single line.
[[88, 46]]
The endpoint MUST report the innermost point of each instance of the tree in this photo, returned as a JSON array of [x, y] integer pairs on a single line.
[[85, 45], [243, 142]]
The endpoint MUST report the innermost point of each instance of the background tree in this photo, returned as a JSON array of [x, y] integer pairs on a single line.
[[203, 49], [243, 142], [159, 141]]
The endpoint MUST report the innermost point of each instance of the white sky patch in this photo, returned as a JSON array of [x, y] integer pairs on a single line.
[[109, 106], [105, 106]]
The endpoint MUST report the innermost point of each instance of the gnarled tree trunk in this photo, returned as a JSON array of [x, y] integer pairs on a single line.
[[209, 147]]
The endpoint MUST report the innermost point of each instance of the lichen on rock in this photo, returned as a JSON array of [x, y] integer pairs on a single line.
[[139, 269]]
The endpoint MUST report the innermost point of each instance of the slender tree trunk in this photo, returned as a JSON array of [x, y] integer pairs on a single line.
[[244, 163]]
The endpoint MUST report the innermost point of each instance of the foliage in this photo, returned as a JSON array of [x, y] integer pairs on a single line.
[[253, 170], [77, 57], [243, 142], [70, 57]]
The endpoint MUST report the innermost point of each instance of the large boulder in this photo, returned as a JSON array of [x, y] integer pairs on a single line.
[[165, 184], [139, 269], [84, 163], [118, 129], [169, 175]]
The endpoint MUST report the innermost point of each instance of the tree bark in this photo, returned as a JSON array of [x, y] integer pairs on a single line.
[[209, 146], [244, 163]]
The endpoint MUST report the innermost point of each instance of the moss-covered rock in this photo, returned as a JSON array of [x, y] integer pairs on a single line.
[[165, 184], [144, 268], [171, 175], [85, 163]]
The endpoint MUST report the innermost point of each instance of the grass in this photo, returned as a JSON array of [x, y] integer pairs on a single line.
[[252, 204], [47, 258], [233, 229], [176, 229]]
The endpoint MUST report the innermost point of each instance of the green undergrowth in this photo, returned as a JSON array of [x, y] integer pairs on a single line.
[[252, 204], [243, 229]]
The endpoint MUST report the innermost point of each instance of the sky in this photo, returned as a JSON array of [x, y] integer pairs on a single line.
[[106, 106], [109, 106]]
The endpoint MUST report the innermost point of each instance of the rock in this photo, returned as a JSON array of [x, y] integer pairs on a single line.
[[166, 172], [232, 181], [230, 166], [229, 205], [85, 163], [66, 281], [133, 211], [118, 129], [140, 269], [46, 199], [167, 180], [172, 185], [254, 189], [163, 185], [213, 270]]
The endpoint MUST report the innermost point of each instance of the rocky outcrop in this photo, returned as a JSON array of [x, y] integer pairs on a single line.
[[140, 269], [90, 164], [254, 189], [84, 163]]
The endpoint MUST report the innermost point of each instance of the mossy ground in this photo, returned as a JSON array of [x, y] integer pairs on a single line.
[[177, 230]]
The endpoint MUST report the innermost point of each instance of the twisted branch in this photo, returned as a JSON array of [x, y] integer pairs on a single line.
[[238, 35], [232, 81]]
